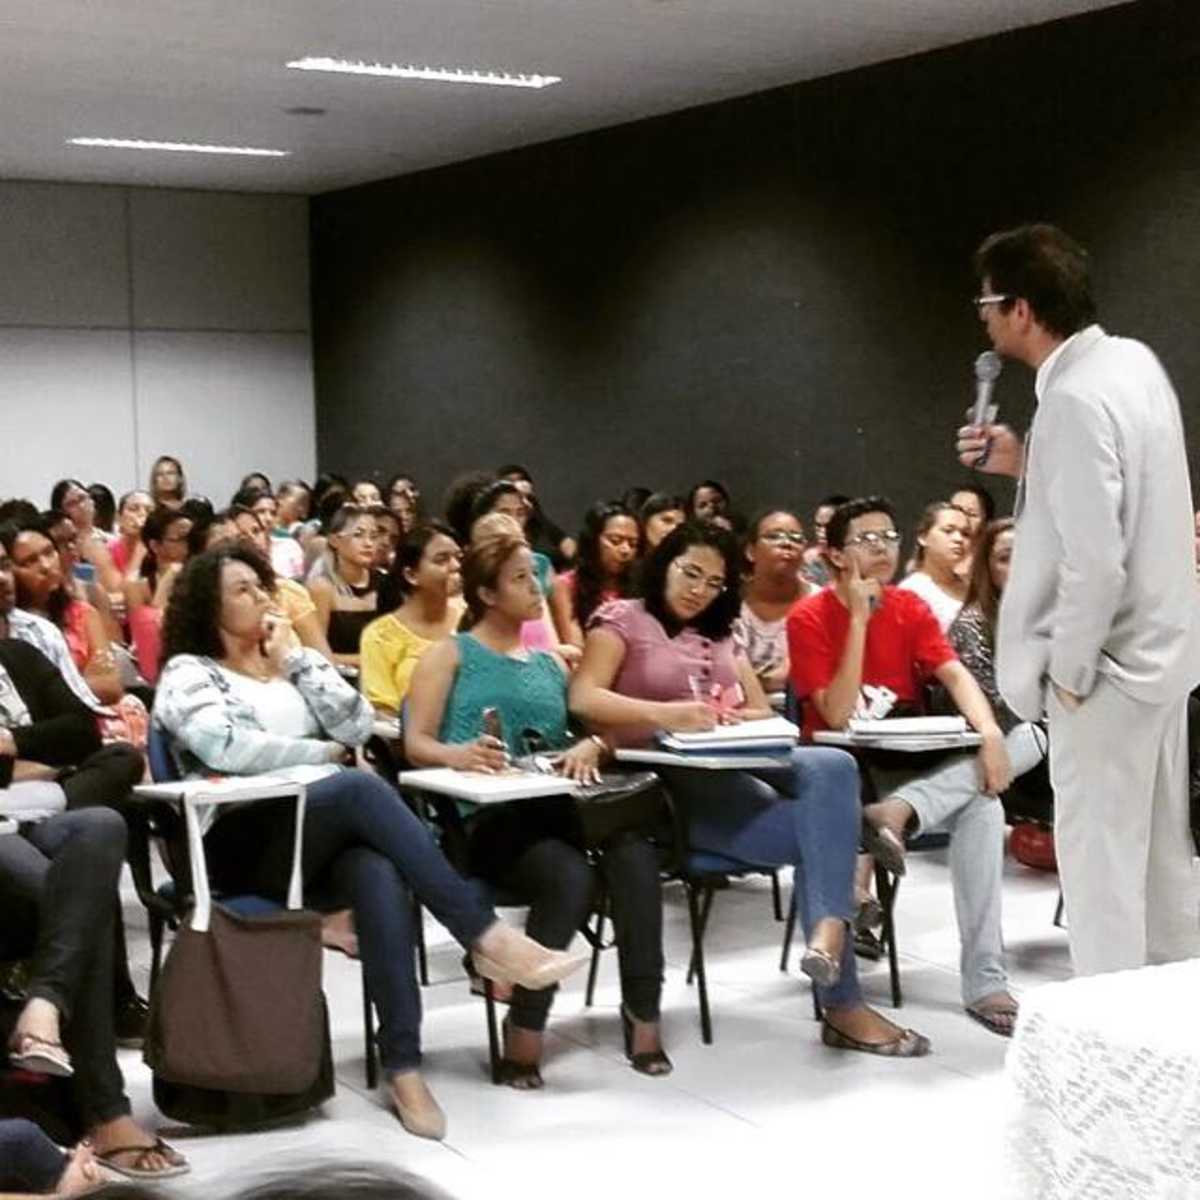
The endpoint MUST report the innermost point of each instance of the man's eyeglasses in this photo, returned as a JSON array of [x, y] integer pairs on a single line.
[[889, 539], [981, 302], [696, 578], [784, 537]]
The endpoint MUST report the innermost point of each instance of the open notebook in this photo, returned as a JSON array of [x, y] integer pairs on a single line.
[[769, 733]]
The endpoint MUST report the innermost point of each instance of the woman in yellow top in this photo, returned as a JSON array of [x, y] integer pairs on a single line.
[[423, 604]]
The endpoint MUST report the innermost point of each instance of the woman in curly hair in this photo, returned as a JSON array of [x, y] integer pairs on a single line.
[[609, 546]]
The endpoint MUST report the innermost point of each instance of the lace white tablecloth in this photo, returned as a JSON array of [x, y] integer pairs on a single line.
[[1103, 1083]]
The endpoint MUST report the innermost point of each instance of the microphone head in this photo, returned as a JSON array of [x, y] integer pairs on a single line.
[[988, 367]]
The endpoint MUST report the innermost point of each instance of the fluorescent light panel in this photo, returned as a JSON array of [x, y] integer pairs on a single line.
[[177, 147], [439, 74]]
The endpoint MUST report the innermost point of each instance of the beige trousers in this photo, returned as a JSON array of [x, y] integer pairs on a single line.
[[1119, 769]]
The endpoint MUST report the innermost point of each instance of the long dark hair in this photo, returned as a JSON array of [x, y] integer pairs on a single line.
[[192, 624], [154, 530], [590, 580], [60, 599], [395, 589], [716, 621], [981, 591]]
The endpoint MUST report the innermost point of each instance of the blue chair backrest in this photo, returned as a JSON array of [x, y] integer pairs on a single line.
[[158, 751]]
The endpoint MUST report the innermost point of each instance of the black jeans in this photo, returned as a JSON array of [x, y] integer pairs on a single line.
[[58, 882], [363, 844], [555, 879], [29, 1160], [105, 780]]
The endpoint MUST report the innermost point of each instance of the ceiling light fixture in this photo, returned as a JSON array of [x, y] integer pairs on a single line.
[[438, 74], [178, 147]]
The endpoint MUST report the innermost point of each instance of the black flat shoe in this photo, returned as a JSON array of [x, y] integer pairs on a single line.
[[647, 1062]]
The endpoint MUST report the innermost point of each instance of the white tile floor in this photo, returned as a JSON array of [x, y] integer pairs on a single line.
[[766, 1104]]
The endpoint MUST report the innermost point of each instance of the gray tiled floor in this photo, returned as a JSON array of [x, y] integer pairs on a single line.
[[766, 1104]]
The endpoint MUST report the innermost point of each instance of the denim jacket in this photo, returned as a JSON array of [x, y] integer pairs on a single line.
[[211, 729]]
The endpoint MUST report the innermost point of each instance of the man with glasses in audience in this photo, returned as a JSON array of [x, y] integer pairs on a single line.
[[1099, 625], [862, 638]]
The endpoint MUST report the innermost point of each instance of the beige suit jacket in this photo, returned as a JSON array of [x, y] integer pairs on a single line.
[[1103, 574]]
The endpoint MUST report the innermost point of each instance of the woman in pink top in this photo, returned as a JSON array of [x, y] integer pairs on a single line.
[[668, 662]]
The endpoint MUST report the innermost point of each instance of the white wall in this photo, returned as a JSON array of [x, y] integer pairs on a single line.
[[136, 322]]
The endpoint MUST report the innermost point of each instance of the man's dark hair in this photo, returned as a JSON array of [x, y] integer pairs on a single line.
[[192, 621], [839, 523], [716, 621], [1044, 267]]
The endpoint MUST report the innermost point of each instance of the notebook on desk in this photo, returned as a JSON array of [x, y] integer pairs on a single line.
[[771, 733], [908, 726], [486, 789], [32, 800]]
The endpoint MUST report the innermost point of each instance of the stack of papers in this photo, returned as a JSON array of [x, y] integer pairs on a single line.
[[32, 800], [773, 733], [908, 726]]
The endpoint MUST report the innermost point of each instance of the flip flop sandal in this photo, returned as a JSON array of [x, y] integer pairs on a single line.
[[1000, 1019], [41, 1057], [885, 847], [176, 1163]]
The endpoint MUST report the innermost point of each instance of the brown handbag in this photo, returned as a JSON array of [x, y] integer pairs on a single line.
[[238, 1006]]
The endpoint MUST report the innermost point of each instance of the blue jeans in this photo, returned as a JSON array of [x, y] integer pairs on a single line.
[[29, 1160], [363, 845], [806, 815]]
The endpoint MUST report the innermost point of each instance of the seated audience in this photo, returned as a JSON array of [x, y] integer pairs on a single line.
[[168, 484], [58, 882], [290, 598], [237, 698], [71, 497], [943, 542], [404, 499], [668, 661], [816, 569], [543, 535], [53, 735], [293, 506], [346, 592], [659, 513], [861, 632], [128, 548], [973, 636], [166, 535], [604, 568], [365, 493], [772, 583], [105, 506], [422, 604], [388, 534], [708, 501], [533, 848]]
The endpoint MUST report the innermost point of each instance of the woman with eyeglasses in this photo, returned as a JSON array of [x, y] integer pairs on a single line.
[[166, 535], [533, 848], [71, 497], [944, 542], [609, 545], [772, 583], [668, 662], [346, 592]]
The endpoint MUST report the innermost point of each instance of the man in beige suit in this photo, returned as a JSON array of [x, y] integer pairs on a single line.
[[1099, 624]]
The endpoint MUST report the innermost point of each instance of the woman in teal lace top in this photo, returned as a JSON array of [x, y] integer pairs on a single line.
[[532, 848]]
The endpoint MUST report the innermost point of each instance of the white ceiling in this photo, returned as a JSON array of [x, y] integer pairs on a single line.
[[212, 71]]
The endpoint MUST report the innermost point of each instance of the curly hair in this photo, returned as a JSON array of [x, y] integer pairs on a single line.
[[193, 618], [716, 621], [590, 580]]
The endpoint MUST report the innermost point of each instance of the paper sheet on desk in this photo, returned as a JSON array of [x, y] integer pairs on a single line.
[[908, 726]]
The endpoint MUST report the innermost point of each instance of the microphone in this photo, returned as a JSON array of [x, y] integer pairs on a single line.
[[987, 370]]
